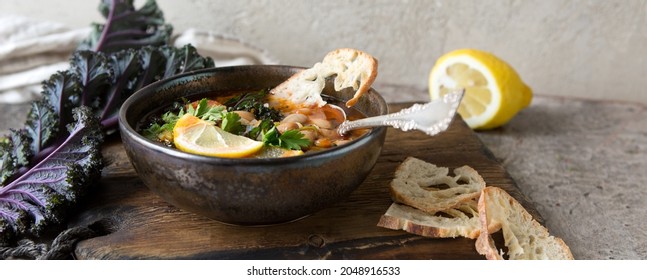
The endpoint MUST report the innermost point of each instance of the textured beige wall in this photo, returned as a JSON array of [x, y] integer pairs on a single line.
[[593, 49]]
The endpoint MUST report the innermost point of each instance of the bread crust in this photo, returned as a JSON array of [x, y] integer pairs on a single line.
[[352, 68], [498, 210], [451, 223], [484, 243]]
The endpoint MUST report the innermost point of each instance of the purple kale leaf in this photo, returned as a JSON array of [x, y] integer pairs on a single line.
[[43, 194], [136, 69], [94, 74], [126, 67], [127, 27], [62, 92], [185, 59], [42, 125], [46, 167], [15, 152]]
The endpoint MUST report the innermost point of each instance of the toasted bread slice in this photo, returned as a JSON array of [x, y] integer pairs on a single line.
[[524, 237], [430, 188], [461, 221], [353, 68]]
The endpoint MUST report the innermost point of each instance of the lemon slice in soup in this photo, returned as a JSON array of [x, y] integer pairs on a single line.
[[277, 152], [196, 136]]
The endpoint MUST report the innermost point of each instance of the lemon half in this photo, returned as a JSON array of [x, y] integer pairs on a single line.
[[196, 136], [494, 92]]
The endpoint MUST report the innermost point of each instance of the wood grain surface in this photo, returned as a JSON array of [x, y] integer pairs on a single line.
[[139, 225]]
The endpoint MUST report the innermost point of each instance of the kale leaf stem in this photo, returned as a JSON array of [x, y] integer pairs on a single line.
[[106, 27]]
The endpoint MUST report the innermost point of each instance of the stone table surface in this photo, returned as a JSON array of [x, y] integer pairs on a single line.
[[584, 165], [582, 162]]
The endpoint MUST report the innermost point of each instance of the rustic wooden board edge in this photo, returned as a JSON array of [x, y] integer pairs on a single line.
[[119, 199]]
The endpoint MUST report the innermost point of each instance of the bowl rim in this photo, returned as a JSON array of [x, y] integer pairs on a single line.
[[125, 127]]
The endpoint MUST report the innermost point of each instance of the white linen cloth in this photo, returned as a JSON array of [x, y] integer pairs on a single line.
[[32, 50]]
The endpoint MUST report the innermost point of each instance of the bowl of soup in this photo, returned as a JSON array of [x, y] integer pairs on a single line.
[[283, 180]]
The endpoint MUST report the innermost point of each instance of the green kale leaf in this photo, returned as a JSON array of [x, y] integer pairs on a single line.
[[254, 102]]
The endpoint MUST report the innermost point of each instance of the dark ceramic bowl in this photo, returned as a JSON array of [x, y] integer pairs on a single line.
[[246, 191]]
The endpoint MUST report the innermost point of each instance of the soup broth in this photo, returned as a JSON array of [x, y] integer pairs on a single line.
[[283, 131]]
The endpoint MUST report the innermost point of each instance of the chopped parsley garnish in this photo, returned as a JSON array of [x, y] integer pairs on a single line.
[[290, 139], [231, 123]]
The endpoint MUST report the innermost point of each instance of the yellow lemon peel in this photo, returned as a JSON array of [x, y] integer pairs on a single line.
[[196, 136], [494, 92]]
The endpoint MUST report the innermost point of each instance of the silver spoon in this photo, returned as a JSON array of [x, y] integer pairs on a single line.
[[431, 118]]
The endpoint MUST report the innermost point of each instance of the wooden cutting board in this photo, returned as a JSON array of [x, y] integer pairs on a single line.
[[139, 225]]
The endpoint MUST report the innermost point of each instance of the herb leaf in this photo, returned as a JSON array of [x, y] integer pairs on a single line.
[[204, 110], [214, 113], [153, 131], [294, 140], [290, 139], [231, 123], [158, 130], [261, 129], [271, 137], [203, 107], [171, 118]]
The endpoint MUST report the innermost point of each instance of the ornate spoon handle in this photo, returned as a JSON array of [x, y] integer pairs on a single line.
[[431, 118]]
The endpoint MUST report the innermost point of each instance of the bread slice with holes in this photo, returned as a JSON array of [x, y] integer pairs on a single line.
[[430, 202], [353, 68], [461, 221], [523, 236], [430, 188]]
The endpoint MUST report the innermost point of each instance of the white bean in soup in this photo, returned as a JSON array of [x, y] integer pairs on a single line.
[[285, 126], [245, 115], [321, 123], [299, 118]]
